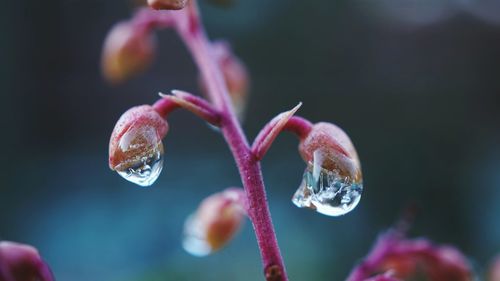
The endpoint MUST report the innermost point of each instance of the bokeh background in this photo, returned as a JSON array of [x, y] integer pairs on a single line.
[[414, 83]]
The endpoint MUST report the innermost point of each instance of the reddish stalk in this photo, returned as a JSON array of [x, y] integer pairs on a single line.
[[191, 31]]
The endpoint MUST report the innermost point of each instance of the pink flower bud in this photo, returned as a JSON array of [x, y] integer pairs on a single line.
[[494, 274], [332, 144], [167, 4], [332, 183], [128, 50], [20, 262], [407, 259], [135, 147], [217, 219]]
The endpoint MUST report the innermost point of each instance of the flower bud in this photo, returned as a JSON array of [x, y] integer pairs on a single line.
[[335, 147], [332, 183], [128, 50], [217, 219], [413, 259], [135, 147], [167, 4], [20, 262]]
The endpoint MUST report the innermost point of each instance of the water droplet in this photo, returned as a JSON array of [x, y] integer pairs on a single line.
[[144, 151], [329, 192], [194, 240]]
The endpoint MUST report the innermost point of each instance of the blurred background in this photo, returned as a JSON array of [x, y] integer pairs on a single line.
[[414, 83]]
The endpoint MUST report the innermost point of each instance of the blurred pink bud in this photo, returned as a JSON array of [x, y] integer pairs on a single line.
[[235, 74], [135, 147], [406, 259], [20, 262], [167, 4], [128, 50], [216, 221], [333, 146], [494, 274]]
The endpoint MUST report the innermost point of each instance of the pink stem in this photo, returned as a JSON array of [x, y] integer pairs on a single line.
[[299, 126], [250, 171], [196, 105], [189, 102], [165, 106]]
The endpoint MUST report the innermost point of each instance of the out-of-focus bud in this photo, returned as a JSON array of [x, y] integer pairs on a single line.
[[235, 74], [167, 4], [409, 259], [217, 219], [494, 274], [449, 264], [332, 183], [128, 50], [20, 262], [135, 147]]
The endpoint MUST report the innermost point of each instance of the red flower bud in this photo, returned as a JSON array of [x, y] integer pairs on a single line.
[[135, 147], [406, 259], [20, 262], [128, 50], [334, 146], [217, 219], [167, 4], [332, 182]]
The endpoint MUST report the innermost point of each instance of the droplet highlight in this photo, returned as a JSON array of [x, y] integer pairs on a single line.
[[144, 151], [194, 240], [327, 191]]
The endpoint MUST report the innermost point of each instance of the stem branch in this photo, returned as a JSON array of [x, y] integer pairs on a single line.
[[192, 33]]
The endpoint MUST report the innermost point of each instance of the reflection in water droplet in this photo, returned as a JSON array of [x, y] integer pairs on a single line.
[[144, 152], [145, 171], [327, 191], [194, 241]]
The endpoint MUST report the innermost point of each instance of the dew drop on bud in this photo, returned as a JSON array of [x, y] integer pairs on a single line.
[[145, 156], [330, 191]]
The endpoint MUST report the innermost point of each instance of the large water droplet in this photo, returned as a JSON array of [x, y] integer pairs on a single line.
[[145, 156], [329, 192], [145, 171], [194, 240]]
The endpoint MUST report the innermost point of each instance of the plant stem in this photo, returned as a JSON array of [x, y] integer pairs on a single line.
[[249, 168]]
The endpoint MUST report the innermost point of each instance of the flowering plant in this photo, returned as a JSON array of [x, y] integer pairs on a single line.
[[332, 183]]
